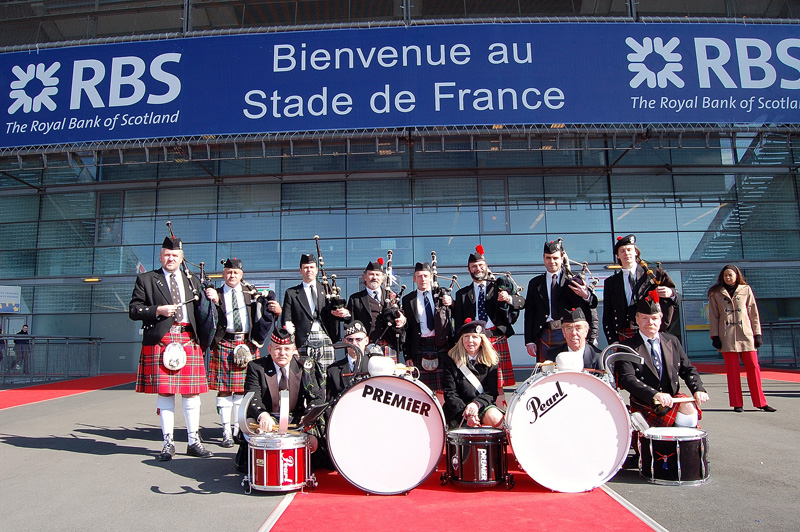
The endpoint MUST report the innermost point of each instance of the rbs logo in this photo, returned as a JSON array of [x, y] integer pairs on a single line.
[[125, 86]]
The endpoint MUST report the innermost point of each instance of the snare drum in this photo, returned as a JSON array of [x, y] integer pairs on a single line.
[[674, 455], [386, 434], [477, 457], [279, 462], [570, 431]]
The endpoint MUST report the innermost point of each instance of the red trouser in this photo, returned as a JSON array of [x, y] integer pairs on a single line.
[[750, 359]]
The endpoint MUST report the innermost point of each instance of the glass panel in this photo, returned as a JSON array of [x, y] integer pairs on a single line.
[[67, 175], [593, 248], [264, 225], [446, 221], [693, 151], [190, 200], [433, 160], [188, 228], [712, 246], [510, 158], [528, 219], [773, 282], [386, 192], [494, 219], [123, 260], [269, 166], [111, 297], [510, 249], [129, 172], [705, 187], [590, 187], [110, 204], [109, 231], [241, 198], [63, 299], [361, 251], [255, 256], [451, 252], [367, 161], [333, 252], [15, 264], [765, 188], [59, 262], [578, 217], [76, 234], [782, 245], [642, 154], [19, 209], [757, 216], [661, 247], [631, 217], [17, 236], [314, 163], [641, 187], [707, 216], [140, 203], [527, 189], [379, 221], [142, 231], [313, 195], [304, 224], [68, 206]]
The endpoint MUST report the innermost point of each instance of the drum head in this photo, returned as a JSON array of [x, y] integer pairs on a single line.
[[570, 431], [674, 433], [372, 420], [174, 356]]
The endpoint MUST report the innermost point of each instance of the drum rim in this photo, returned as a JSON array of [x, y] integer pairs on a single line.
[[625, 442], [660, 434], [425, 389]]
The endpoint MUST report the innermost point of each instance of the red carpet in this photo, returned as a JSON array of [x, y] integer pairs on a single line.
[[786, 375], [54, 390], [337, 506]]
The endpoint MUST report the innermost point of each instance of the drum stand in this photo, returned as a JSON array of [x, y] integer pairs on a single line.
[[309, 484]]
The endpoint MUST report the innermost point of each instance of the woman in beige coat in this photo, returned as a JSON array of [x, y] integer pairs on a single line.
[[736, 331]]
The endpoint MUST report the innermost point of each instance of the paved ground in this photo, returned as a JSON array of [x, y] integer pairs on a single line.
[[85, 461]]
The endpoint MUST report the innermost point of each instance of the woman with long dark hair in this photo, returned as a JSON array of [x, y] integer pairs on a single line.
[[736, 332]]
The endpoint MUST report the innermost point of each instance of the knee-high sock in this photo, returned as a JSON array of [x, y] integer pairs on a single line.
[[166, 411], [237, 404], [224, 407], [191, 414]]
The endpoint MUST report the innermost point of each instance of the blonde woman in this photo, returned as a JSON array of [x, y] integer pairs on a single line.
[[469, 379], [736, 332]]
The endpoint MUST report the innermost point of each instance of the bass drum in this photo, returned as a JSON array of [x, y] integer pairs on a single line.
[[570, 431], [386, 434]]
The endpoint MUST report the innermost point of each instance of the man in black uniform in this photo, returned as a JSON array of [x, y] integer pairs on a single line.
[[340, 374], [550, 297], [624, 289], [484, 300], [307, 314], [428, 333], [576, 353]]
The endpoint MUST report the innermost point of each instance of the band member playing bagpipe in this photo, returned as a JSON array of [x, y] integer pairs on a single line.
[[427, 315], [356, 362], [308, 314], [624, 289], [470, 379], [171, 360], [550, 298], [654, 386], [246, 318], [282, 369], [378, 308], [490, 301], [576, 353]]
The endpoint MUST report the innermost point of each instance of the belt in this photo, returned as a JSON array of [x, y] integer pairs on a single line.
[[235, 336], [553, 324], [180, 328]]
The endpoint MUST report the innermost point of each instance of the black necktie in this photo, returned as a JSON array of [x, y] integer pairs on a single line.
[[428, 311], [482, 304], [283, 383], [553, 288], [314, 301], [632, 282], [237, 316], [176, 297], [375, 296], [656, 356]]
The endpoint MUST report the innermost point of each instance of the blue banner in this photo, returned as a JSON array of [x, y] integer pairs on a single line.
[[450, 75]]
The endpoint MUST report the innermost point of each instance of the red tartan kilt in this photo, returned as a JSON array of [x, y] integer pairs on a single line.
[[653, 419], [505, 370], [223, 374], [153, 377]]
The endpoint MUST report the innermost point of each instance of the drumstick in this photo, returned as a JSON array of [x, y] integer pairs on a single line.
[[677, 400], [256, 426]]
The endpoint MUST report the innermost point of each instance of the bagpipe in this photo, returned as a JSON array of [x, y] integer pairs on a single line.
[[444, 324], [580, 277], [205, 312], [506, 283], [332, 292]]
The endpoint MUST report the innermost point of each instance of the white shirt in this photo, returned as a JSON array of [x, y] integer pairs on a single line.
[[235, 299], [423, 319], [372, 293], [476, 288]]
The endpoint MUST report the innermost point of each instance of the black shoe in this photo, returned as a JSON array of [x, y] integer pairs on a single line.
[[227, 442], [166, 453], [196, 449], [767, 408], [738, 409]]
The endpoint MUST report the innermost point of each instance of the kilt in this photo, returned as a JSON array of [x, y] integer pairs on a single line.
[[432, 379], [549, 338], [626, 333], [653, 419], [223, 374], [324, 354], [153, 377], [505, 371]]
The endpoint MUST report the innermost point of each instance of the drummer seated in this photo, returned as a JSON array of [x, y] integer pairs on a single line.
[[469, 379], [576, 353], [268, 425], [655, 381]]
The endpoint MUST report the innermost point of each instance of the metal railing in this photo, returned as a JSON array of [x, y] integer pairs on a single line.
[[45, 358], [781, 344]]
